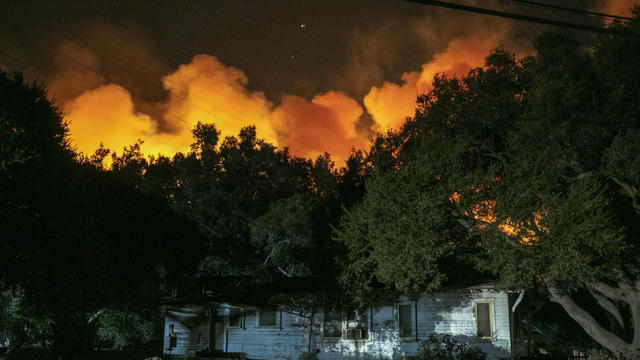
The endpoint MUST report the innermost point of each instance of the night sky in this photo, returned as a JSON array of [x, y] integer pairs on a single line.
[[312, 75]]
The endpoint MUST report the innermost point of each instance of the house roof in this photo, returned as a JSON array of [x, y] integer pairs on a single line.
[[253, 291], [248, 290]]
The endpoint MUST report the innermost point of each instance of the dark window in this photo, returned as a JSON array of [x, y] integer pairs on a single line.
[[235, 317], [332, 323], [267, 318], [404, 320], [483, 319], [357, 334]]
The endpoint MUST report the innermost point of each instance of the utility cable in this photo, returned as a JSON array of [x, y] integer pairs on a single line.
[[517, 24], [556, 7], [528, 18]]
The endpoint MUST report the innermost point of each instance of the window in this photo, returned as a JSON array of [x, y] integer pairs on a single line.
[[267, 318], [405, 320], [235, 317], [357, 325], [332, 326], [483, 319]]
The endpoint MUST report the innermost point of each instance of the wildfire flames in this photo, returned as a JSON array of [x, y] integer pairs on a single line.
[[484, 212]]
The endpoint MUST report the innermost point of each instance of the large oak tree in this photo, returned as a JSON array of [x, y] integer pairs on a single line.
[[527, 170]]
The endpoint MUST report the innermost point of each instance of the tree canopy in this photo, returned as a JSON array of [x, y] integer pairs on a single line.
[[527, 170], [75, 238]]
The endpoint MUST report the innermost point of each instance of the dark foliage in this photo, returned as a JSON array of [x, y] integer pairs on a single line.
[[75, 238], [447, 348]]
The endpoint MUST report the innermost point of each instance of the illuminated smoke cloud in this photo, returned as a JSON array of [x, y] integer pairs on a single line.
[[102, 108], [70, 82], [327, 123], [203, 90], [619, 7], [106, 114], [391, 103], [207, 91]]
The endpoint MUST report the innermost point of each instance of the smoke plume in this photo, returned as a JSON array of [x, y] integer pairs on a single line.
[[114, 90], [391, 103]]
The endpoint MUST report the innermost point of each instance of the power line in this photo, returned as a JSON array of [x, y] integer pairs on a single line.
[[517, 23], [556, 7], [509, 15]]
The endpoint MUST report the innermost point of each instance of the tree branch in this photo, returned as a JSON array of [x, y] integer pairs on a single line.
[[274, 250], [607, 305], [587, 322], [635, 313], [632, 191], [608, 291], [287, 274], [625, 283]]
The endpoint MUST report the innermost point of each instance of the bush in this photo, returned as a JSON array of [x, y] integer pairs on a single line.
[[124, 330], [308, 356], [448, 349], [605, 355]]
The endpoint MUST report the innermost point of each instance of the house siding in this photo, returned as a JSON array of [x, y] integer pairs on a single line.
[[440, 313], [191, 327]]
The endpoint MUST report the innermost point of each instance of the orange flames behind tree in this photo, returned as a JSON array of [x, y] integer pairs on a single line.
[[484, 212]]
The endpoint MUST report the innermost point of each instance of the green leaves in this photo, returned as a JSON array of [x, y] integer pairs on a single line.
[[517, 167], [622, 165], [285, 234]]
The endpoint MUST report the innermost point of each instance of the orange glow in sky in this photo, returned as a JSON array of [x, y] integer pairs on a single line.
[[208, 91]]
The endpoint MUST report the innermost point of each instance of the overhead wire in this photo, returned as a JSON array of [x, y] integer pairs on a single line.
[[517, 24], [528, 18], [568, 9]]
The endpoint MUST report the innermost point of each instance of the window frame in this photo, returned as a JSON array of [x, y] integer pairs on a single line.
[[241, 317], [475, 314], [368, 325], [324, 319], [260, 311], [412, 315]]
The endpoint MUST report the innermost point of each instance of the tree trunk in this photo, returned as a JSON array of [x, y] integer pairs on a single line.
[[601, 335], [313, 313]]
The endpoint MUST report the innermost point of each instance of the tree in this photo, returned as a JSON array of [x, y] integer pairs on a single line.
[[76, 239], [235, 190], [285, 232], [528, 171], [410, 228], [576, 226]]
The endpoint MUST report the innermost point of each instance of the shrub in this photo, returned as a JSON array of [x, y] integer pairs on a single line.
[[447, 348], [605, 355], [124, 330]]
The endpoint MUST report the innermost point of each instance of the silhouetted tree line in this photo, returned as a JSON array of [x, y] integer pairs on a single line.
[[83, 245]]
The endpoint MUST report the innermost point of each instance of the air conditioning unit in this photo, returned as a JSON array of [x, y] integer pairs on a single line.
[[357, 334]]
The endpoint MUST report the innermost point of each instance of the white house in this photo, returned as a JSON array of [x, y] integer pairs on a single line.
[[477, 316]]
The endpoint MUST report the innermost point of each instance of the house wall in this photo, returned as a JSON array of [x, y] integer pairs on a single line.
[[191, 326], [440, 313]]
